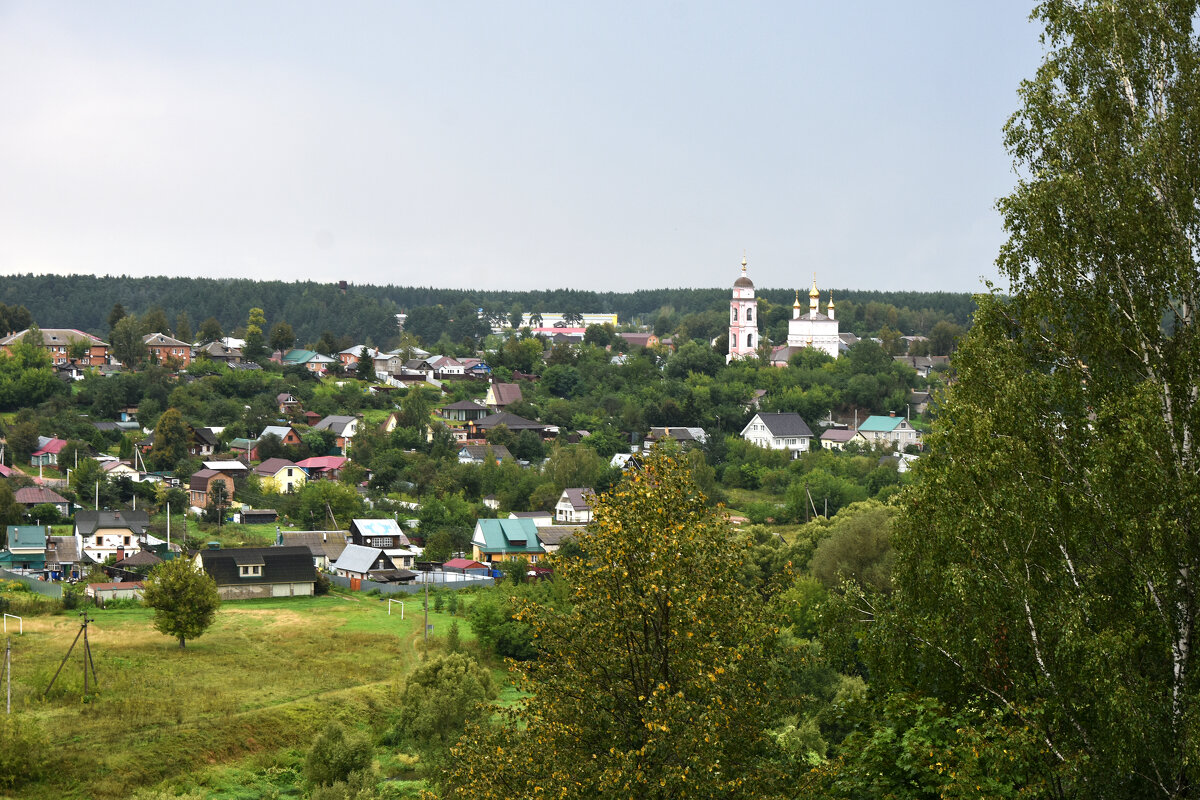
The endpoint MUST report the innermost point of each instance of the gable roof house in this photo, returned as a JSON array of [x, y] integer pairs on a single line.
[[30, 496], [220, 352], [573, 507], [541, 519], [251, 572], [287, 402], [47, 451], [201, 441], [57, 341], [383, 534], [344, 427], [280, 475], [497, 540], [838, 438], [62, 557], [479, 428], [326, 546], [500, 395], [779, 431], [25, 548], [464, 411], [482, 453], [286, 433], [200, 486], [349, 356], [890, 431], [323, 467], [686, 437], [370, 563], [311, 360], [100, 534], [165, 349]]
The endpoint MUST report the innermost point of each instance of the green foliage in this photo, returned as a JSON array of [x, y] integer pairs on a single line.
[[171, 441], [334, 756], [857, 547], [656, 668], [126, 342], [439, 697], [184, 599]]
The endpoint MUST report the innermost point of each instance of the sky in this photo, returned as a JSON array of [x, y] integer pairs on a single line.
[[606, 146]]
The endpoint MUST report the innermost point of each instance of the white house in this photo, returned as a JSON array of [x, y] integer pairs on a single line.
[[572, 507], [779, 431], [889, 430]]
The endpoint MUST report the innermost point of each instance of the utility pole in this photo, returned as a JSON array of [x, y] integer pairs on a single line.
[[8, 674], [425, 655]]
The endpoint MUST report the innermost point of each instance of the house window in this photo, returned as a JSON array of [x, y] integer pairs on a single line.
[[98, 541], [250, 570], [127, 540], [735, 315]]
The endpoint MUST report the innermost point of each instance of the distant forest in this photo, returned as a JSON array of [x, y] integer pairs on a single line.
[[365, 312]]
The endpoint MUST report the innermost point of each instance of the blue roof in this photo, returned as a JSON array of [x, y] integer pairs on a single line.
[[880, 424], [25, 536]]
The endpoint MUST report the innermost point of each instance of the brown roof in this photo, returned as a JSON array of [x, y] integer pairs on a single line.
[[506, 393], [32, 495], [578, 497], [200, 478], [271, 466]]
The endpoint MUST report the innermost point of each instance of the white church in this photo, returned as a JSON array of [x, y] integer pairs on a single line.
[[814, 329]]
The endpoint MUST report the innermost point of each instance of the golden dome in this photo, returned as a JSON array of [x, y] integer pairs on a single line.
[[813, 291], [797, 303]]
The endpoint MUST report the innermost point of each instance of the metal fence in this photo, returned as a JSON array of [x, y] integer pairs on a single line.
[[41, 587], [470, 581]]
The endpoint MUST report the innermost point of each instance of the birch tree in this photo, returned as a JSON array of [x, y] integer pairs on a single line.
[[1048, 559]]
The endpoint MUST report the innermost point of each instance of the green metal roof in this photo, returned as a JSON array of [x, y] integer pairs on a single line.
[[26, 536], [880, 424], [509, 536]]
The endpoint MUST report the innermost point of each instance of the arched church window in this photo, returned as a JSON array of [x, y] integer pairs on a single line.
[[749, 340], [735, 314], [749, 315]]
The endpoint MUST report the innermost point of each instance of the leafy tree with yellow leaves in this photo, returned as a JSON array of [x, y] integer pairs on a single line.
[[655, 683]]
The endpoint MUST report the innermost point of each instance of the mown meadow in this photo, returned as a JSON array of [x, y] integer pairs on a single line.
[[229, 716]]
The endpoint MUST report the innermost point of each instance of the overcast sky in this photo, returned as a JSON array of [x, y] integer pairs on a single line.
[[604, 145]]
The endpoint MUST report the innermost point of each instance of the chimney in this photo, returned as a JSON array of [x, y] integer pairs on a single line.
[[121, 553], [891, 413], [324, 536]]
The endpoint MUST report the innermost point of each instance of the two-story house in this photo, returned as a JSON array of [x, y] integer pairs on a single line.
[[164, 349], [25, 548], [496, 540], [200, 487], [343, 428], [58, 342], [383, 534], [889, 431], [573, 507], [101, 534], [280, 475], [779, 431]]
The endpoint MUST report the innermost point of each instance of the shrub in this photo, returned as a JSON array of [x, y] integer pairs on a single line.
[[438, 698], [334, 756]]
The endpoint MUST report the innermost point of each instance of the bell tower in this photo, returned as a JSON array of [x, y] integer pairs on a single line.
[[743, 318]]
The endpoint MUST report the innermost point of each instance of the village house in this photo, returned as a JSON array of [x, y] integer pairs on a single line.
[[888, 431], [253, 572], [30, 496], [200, 487], [220, 352], [57, 342], [483, 453], [497, 540], [326, 546], [349, 356], [46, 454], [464, 411], [370, 563], [500, 395], [25, 548], [686, 437], [540, 519], [164, 349], [383, 534], [838, 438], [323, 467], [573, 507], [100, 535], [311, 360], [779, 431], [343, 428], [280, 475]]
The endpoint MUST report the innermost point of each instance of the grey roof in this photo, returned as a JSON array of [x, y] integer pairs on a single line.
[[578, 497], [785, 424], [279, 430], [336, 423], [357, 558], [330, 544], [464, 405], [555, 535], [839, 435], [511, 421], [87, 522], [479, 452], [62, 549], [679, 434], [530, 515]]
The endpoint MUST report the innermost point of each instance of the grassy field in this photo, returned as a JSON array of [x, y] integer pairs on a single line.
[[231, 714]]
